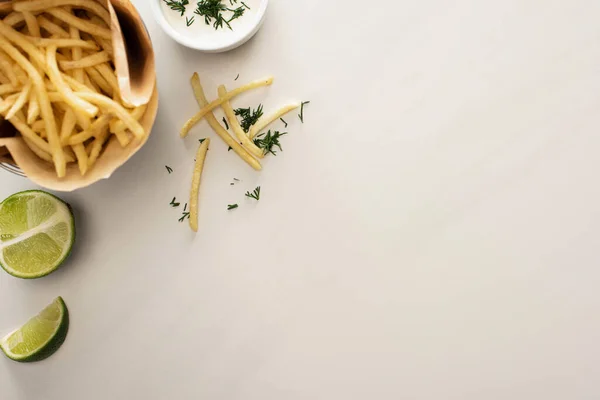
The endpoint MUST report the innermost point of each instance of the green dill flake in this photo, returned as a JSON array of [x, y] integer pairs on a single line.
[[248, 116], [184, 215], [267, 141], [255, 194], [217, 14], [178, 6], [232, 207], [169, 169], [301, 115]]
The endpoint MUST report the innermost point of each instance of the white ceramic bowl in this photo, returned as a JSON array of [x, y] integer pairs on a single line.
[[242, 35]]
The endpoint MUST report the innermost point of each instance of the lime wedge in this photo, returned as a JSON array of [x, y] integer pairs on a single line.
[[41, 336], [37, 232]]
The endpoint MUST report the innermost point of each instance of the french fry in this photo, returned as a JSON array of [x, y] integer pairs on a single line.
[[268, 120], [32, 25], [43, 5], [230, 95], [97, 146], [57, 80], [7, 67], [76, 53], [38, 126], [69, 97], [68, 126], [123, 138], [85, 62], [97, 79], [81, 24], [27, 132], [93, 131], [110, 77], [235, 125], [34, 108], [19, 102], [88, 82], [3, 78], [196, 179], [60, 43], [58, 155], [13, 18], [112, 106], [82, 158], [119, 126], [51, 27], [8, 102], [8, 88], [219, 130]]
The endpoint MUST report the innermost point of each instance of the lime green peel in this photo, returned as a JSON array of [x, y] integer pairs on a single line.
[[37, 232], [41, 336]]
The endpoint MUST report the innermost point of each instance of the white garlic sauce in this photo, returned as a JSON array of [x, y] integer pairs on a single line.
[[205, 34]]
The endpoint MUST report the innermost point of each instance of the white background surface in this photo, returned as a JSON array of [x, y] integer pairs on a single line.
[[431, 231]]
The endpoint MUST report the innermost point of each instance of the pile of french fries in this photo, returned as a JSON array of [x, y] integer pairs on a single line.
[[243, 146], [58, 85]]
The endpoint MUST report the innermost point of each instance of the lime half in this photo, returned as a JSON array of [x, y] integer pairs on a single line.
[[37, 232], [41, 336]]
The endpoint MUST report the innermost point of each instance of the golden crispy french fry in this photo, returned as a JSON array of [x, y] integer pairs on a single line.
[[76, 54], [14, 18], [70, 97], [27, 132], [97, 146], [137, 113], [109, 105], [43, 5], [32, 25], [110, 77], [58, 155], [20, 102], [60, 43], [8, 102], [3, 78], [51, 27], [235, 126], [38, 126], [196, 179], [94, 131], [88, 82], [7, 67], [269, 119], [33, 111], [230, 95], [83, 121], [99, 82], [37, 150], [219, 130], [82, 158], [68, 126], [123, 138], [85, 62], [8, 88], [81, 24]]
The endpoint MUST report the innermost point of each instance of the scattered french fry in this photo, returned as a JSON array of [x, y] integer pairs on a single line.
[[230, 95], [219, 130], [197, 177], [235, 125], [268, 120]]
